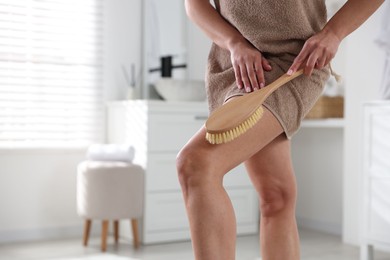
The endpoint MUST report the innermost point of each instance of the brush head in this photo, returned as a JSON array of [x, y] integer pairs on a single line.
[[230, 135], [235, 117]]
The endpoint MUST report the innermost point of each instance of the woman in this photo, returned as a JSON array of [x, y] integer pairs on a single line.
[[255, 42]]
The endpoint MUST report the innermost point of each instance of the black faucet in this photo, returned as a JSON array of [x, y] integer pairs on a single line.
[[167, 67]]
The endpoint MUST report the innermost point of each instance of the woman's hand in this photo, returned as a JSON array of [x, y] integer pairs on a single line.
[[247, 61], [316, 53], [249, 65]]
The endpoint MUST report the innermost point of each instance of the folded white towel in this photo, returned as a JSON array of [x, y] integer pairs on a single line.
[[111, 152], [383, 38]]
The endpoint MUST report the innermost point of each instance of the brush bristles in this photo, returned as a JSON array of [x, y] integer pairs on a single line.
[[230, 135]]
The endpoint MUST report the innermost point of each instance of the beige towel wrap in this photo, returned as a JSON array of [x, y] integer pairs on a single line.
[[278, 29]]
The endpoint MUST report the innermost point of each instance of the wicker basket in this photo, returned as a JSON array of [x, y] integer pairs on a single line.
[[327, 107]]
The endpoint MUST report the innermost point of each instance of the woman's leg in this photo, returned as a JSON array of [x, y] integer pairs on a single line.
[[201, 167], [272, 175]]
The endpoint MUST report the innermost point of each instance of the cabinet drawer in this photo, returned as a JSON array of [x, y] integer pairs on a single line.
[[165, 211], [170, 132], [379, 210], [161, 172], [246, 209], [380, 144]]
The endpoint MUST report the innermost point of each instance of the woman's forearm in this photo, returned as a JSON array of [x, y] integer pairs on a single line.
[[353, 14], [320, 49], [212, 23]]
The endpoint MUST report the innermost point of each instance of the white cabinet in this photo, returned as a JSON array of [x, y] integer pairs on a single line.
[[376, 169], [158, 130]]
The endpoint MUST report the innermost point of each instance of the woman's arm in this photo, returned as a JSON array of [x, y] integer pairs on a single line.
[[320, 49], [212, 23], [247, 61]]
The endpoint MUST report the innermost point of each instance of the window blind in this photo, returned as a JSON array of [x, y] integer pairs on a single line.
[[51, 73]]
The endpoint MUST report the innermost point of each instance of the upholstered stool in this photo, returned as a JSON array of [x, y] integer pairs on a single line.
[[110, 191]]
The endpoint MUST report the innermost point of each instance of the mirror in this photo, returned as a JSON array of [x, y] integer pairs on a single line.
[[165, 43]]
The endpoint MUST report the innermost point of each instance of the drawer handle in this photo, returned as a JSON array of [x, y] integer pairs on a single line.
[[201, 118]]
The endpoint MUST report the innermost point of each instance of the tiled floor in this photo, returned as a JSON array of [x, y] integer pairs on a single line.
[[314, 245]]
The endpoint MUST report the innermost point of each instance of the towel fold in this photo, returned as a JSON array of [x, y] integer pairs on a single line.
[[111, 152]]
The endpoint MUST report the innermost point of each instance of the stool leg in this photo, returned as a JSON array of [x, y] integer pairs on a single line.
[[104, 235], [116, 230], [134, 226], [87, 228]]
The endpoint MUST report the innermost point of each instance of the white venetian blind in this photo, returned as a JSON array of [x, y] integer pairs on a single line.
[[50, 73]]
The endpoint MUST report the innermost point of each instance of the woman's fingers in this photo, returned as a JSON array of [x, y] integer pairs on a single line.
[[237, 74], [311, 63], [250, 74], [260, 73], [249, 66], [317, 52], [251, 69], [321, 62], [265, 64], [299, 60], [245, 78]]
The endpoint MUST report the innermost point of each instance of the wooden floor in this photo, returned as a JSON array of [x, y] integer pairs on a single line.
[[315, 246]]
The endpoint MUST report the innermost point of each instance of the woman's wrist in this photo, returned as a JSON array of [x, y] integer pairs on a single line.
[[235, 42], [328, 30]]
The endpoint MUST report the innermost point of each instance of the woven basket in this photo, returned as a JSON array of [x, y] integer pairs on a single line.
[[327, 107]]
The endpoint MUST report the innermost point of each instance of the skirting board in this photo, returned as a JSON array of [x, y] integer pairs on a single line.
[[9, 236], [326, 227]]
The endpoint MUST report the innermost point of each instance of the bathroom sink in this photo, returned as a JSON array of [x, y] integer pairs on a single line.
[[181, 90]]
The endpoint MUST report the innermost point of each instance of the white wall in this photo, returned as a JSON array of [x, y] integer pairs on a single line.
[[364, 72], [37, 194], [38, 187], [122, 44]]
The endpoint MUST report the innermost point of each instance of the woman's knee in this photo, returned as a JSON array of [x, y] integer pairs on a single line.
[[194, 167], [274, 201]]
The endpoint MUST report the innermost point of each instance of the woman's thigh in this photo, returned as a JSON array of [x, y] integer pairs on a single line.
[[224, 157]]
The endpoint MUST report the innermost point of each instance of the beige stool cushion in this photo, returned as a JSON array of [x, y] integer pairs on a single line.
[[110, 190]]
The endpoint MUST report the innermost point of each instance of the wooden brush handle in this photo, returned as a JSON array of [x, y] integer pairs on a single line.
[[236, 111], [280, 82]]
